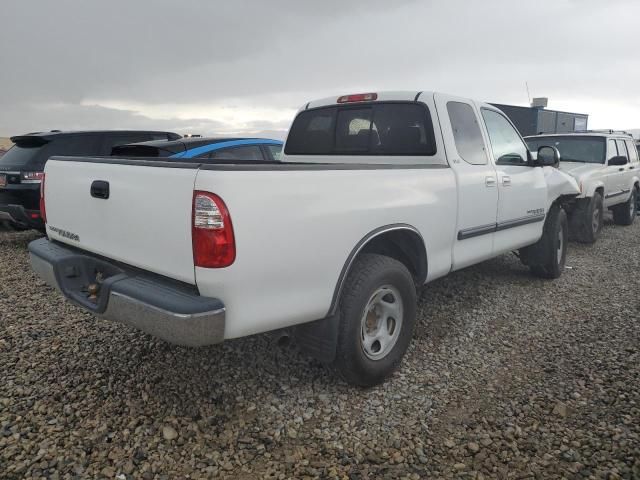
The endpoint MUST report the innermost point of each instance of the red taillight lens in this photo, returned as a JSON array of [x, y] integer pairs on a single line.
[[214, 245], [32, 177], [43, 210], [359, 97]]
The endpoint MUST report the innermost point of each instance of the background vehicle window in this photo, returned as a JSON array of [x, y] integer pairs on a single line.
[[276, 152], [622, 149], [612, 150], [633, 153], [111, 141], [506, 144], [466, 133], [372, 129], [353, 130], [243, 153], [572, 148]]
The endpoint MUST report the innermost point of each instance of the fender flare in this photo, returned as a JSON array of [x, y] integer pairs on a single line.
[[358, 248], [593, 187]]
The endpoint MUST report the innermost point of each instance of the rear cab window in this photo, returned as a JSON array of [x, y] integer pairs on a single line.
[[384, 129]]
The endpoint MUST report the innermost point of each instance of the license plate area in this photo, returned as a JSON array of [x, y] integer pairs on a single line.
[[87, 280]]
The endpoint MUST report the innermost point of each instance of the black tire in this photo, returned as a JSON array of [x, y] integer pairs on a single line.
[[625, 213], [547, 257], [587, 219], [370, 277]]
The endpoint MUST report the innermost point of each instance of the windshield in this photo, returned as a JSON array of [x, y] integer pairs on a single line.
[[572, 148]]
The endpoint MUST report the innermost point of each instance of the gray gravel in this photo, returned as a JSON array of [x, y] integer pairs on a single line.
[[508, 376]]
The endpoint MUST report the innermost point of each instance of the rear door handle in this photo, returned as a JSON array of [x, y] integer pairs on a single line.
[[506, 181], [100, 189], [490, 181]]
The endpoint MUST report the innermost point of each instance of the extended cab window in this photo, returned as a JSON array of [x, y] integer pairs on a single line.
[[506, 144], [466, 133], [394, 128]]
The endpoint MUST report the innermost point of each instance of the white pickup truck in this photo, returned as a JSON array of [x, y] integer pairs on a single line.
[[376, 195], [605, 165]]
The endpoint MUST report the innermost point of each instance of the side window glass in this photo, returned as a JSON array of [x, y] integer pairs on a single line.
[[622, 149], [243, 153], [466, 133], [506, 144], [276, 152], [633, 153], [612, 150]]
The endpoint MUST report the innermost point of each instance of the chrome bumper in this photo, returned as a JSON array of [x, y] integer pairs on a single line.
[[162, 308]]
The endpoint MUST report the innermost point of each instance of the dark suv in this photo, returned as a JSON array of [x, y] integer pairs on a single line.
[[21, 168]]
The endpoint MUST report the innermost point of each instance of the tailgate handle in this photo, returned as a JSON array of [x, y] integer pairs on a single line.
[[100, 189]]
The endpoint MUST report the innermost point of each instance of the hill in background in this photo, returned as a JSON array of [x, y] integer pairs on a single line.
[[5, 144]]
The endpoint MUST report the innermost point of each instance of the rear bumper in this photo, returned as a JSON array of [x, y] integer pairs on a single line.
[[161, 307]]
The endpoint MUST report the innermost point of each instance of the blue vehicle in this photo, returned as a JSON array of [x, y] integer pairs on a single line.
[[205, 149]]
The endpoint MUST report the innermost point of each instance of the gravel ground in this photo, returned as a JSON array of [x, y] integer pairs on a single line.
[[508, 376]]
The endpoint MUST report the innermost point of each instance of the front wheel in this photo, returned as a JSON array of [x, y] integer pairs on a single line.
[[547, 257], [625, 214], [377, 317]]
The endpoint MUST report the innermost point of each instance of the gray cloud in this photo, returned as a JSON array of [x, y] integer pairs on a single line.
[[279, 54]]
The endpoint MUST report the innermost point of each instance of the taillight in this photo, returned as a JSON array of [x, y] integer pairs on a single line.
[[359, 97], [43, 210], [32, 177], [214, 245]]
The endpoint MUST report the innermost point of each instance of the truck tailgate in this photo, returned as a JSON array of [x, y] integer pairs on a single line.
[[144, 222]]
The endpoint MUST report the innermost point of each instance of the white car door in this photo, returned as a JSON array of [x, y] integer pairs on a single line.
[[476, 179], [522, 189]]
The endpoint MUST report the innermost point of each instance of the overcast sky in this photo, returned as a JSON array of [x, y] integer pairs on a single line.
[[244, 67]]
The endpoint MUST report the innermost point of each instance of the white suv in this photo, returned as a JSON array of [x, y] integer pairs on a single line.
[[605, 165]]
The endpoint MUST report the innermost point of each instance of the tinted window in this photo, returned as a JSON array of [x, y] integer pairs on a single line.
[[36, 156], [276, 152], [247, 152], [18, 156], [111, 141], [369, 129], [353, 130], [573, 148], [506, 144], [466, 133]]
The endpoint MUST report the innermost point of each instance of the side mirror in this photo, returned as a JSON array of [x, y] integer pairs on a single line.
[[618, 161], [548, 157]]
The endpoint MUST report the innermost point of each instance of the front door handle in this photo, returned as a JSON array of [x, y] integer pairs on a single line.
[[621, 169], [490, 181], [506, 181]]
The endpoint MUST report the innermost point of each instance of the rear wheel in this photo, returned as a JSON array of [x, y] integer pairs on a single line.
[[377, 316], [547, 257], [625, 213]]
